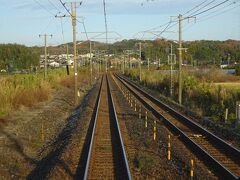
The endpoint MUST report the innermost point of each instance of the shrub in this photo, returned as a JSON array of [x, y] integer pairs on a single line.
[[237, 70], [200, 96], [143, 162]]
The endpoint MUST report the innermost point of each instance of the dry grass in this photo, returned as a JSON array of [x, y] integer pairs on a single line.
[[214, 75], [206, 92], [229, 85], [67, 81], [29, 97], [29, 89]]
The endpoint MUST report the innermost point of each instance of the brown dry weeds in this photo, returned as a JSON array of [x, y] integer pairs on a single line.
[[21, 145]]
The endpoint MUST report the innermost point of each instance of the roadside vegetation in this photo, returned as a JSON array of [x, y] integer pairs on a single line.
[[28, 89], [207, 93], [14, 57]]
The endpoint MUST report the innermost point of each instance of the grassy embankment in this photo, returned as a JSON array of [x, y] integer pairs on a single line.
[[29, 89], [207, 93]]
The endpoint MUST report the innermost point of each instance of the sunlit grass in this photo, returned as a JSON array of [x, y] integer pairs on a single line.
[[206, 94], [28, 89], [229, 85]]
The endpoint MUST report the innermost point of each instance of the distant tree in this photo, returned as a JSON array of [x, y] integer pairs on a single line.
[[18, 57]]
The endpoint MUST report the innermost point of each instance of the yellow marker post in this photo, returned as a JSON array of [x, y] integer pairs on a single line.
[[192, 168], [135, 105], [140, 112], [131, 101], [155, 130], [169, 148], [146, 119], [42, 133]]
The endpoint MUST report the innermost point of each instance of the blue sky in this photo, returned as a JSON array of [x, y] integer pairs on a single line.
[[22, 21]]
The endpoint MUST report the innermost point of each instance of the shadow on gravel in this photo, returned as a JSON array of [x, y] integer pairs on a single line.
[[18, 147], [84, 154], [46, 164]]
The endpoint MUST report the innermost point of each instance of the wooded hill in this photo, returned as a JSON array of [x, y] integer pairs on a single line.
[[199, 52]]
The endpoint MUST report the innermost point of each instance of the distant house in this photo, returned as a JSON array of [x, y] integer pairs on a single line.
[[88, 55], [224, 64], [54, 64]]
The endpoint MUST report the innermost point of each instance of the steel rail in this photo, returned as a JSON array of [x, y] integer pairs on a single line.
[[119, 132], [112, 108], [221, 169], [93, 131]]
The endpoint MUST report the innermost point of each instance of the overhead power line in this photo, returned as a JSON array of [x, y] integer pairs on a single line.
[[85, 31], [221, 13], [50, 22], [211, 8], [202, 7], [68, 11], [50, 2], [195, 7], [223, 8], [42, 6]]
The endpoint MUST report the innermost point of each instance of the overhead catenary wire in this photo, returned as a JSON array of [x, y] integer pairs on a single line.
[[195, 7], [84, 27], [50, 22], [42, 6], [228, 5], [205, 18], [55, 7], [213, 7], [202, 8], [169, 23], [221, 13], [68, 11]]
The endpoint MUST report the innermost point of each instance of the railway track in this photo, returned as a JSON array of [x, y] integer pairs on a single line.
[[223, 158], [106, 156]]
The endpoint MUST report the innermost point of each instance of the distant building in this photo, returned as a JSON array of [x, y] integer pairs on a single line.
[[224, 64]]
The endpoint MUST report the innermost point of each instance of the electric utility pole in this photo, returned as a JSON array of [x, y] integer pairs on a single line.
[[45, 44], [180, 19], [171, 61], [180, 60], [73, 15], [91, 68], [140, 59], [74, 18]]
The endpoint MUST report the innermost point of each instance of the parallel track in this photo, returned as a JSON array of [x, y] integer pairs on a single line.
[[223, 158], [106, 156]]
